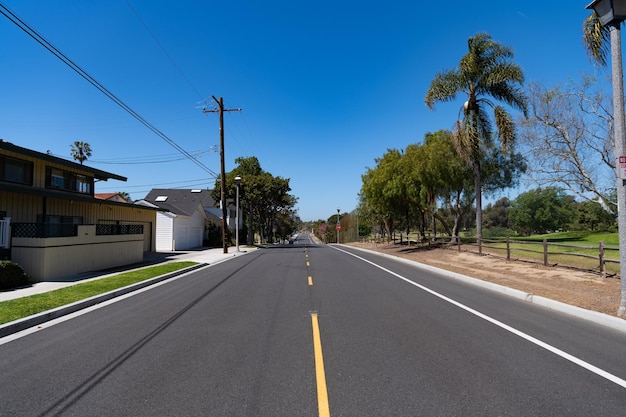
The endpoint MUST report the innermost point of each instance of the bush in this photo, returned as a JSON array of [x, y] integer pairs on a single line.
[[11, 275]]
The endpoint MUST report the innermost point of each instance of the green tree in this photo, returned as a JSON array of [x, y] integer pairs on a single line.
[[591, 216], [80, 151], [541, 210], [484, 74], [263, 195], [496, 215], [444, 176], [385, 190]]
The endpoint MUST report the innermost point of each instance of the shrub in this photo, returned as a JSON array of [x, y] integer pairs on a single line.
[[12, 275]]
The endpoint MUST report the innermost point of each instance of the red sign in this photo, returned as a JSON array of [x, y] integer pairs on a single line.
[[622, 167], [338, 227]]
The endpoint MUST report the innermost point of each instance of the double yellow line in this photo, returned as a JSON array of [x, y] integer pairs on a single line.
[[320, 374]]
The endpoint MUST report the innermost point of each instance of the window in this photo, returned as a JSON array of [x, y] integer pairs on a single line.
[[16, 170], [161, 198], [57, 179], [68, 181], [83, 184]]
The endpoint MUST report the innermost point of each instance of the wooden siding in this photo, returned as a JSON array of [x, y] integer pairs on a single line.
[[39, 167]]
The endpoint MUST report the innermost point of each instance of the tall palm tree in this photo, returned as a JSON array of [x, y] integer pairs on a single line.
[[80, 151], [485, 75]]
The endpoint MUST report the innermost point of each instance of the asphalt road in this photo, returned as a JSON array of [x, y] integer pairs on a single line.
[[312, 330]]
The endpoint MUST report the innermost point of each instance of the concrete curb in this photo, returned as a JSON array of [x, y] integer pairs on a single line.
[[37, 319], [593, 316]]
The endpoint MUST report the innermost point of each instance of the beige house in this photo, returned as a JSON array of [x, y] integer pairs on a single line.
[[52, 224]]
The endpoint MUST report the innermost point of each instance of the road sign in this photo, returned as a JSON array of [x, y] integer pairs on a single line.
[[338, 227]]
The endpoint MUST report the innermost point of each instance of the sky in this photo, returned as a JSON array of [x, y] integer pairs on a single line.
[[324, 87]]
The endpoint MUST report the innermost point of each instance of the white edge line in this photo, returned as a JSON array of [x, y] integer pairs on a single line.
[[550, 348]]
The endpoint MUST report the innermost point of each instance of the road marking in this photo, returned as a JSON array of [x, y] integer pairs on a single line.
[[586, 365], [307, 263], [320, 375], [310, 281]]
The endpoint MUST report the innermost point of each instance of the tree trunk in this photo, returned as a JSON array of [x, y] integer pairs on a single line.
[[479, 202]]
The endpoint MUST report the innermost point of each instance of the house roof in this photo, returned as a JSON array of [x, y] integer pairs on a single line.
[[180, 201], [98, 174], [106, 196]]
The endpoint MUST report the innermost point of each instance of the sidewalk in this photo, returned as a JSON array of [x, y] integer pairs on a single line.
[[206, 256]]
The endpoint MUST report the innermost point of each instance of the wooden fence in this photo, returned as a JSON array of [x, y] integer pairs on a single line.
[[600, 259]]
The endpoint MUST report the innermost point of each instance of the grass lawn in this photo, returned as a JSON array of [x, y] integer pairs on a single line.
[[27, 306], [578, 249]]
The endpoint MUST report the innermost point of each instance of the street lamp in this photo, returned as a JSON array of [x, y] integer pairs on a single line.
[[338, 225], [612, 13], [237, 182]]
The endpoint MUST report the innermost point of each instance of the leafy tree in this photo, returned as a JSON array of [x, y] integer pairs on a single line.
[[385, 190], [263, 195], [541, 210], [80, 151], [497, 215], [444, 176], [591, 216], [484, 74]]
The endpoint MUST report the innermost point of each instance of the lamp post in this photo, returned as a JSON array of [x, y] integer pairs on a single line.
[[612, 13], [338, 225], [237, 182]]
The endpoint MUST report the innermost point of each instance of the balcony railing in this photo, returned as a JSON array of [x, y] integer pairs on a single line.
[[43, 230], [119, 229]]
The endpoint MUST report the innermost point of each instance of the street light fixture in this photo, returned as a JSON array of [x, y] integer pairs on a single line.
[[609, 11], [612, 13], [237, 182]]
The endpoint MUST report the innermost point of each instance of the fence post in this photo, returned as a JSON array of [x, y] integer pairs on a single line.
[[601, 256], [458, 242], [508, 248], [545, 251]]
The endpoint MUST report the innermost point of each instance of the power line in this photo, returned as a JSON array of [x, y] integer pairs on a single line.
[[26, 28], [175, 184], [156, 40]]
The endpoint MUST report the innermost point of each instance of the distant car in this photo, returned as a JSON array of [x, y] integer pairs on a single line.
[[291, 241]]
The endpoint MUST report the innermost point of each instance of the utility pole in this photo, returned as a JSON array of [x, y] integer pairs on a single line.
[[221, 110]]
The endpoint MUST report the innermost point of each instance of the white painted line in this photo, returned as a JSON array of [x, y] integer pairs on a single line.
[[550, 348]]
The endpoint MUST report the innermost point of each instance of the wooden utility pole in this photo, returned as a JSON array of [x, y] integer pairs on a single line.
[[221, 110]]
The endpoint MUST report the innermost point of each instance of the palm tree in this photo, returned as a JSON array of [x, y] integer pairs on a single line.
[[484, 74], [596, 39], [80, 151]]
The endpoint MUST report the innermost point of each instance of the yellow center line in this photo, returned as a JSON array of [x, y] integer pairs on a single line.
[[320, 375], [310, 281]]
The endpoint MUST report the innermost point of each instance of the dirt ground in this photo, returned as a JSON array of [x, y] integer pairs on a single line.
[[579, 288]]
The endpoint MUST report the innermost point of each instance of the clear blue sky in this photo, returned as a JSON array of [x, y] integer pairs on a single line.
[[325, 86]]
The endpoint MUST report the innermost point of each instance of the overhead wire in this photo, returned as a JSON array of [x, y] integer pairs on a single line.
[[26, 28], [181, 184], [156, 40]]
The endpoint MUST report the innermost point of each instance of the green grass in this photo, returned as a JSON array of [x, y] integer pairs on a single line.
[[574, 244], [27, 306]]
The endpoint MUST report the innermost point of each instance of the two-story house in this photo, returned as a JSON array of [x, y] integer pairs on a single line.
[[52, 224]]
